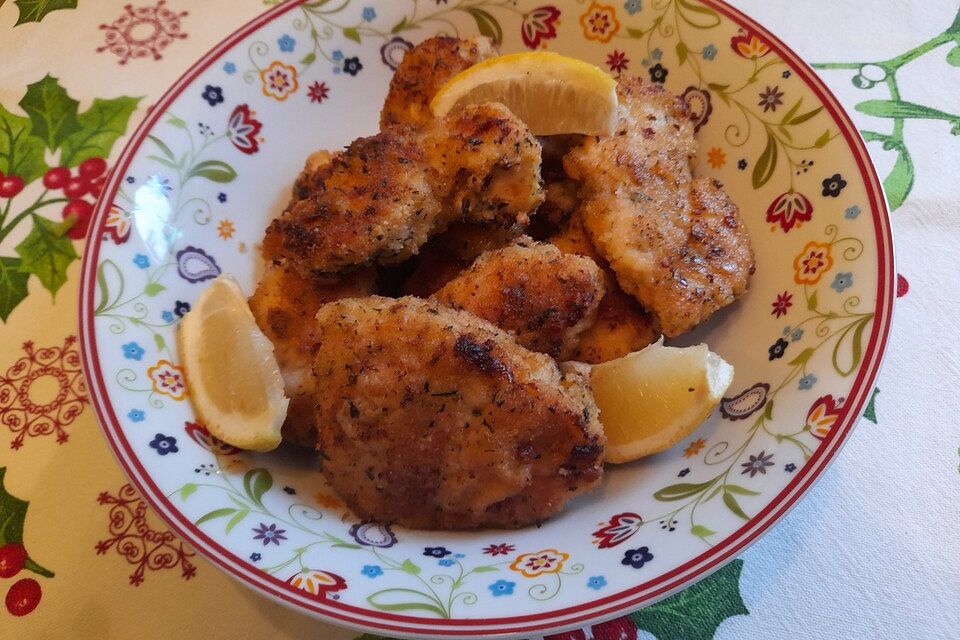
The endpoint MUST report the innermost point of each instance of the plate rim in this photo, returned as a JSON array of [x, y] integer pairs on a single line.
[[638, 596]]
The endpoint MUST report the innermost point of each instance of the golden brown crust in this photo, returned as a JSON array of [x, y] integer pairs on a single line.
[[675, 243], [381, 199], [621, 325], [284, 305], [422, 72], [433, 418], [542, 296], [447, 254]]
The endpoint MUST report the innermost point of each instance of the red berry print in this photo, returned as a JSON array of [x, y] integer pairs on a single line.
[[902, 286], [10, 186], [23, 597], [96, 187], [56, 177], [12, 558], [76, 187], [80, 211], [92, 168], [618, 629]]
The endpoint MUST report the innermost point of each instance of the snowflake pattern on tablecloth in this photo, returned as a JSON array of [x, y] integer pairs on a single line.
[[43, 392], [142, 31], [143, 546]]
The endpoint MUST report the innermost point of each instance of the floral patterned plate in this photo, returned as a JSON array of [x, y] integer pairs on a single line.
[[214, 160]]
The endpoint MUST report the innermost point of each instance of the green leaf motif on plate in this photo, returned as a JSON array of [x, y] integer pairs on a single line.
[[766, 164], [351, 33], [47, 252], [153, 288], [100, 127], [20, 153], [486, 24], [696, 612], [13, 513], [36, 10], [52, 113], [257, 482], [216, 513], [410, 567], [733, 505], [214, 170], [13, 285]]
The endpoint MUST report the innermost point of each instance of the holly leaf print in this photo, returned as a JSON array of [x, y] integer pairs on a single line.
[[697, 611], [870, 413], [100, 127], [53, 113], [36, 10], [20, 153], [13, 513], [47, 252], [13, 285]]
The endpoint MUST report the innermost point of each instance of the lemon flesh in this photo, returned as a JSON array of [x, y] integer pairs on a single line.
[[651, 399], [235, 382], [552, 94]]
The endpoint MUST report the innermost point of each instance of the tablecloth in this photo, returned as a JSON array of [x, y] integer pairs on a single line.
[[872, 552]]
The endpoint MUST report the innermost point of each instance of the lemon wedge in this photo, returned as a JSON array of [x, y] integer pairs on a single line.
[[552, 94], [651, 399], [234, 379]]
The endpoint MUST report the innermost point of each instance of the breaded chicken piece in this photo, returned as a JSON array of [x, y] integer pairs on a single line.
[[421, 73], [447, 254], [313, 174], [433, 418], [384, 196], [544, 297], [284, 305], [621, 325], [675, 243]]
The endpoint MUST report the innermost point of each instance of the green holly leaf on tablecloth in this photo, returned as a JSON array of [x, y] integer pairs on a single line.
[[697, 611], [13, 513], [100, 127], [47, 252], [52, 112], [21, 154], [36, 10], [13, 285], [870, 413]]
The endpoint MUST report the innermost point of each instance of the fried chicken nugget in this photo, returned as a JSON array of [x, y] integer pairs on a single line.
[[381, 199], [421, 73], [433, 418], [285, 305], [447, 254], [544, 297], [675, 242], [621, 325]]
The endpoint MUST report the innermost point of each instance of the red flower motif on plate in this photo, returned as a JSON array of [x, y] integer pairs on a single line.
[[319, 584], [619, 529], [243, 128], [789, 210], [782, 304], [118, 224], [823, 414], [539, 25], [747, 44], [199, 434]]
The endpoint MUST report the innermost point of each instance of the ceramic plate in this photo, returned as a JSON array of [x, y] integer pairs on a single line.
[[214, 161]]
